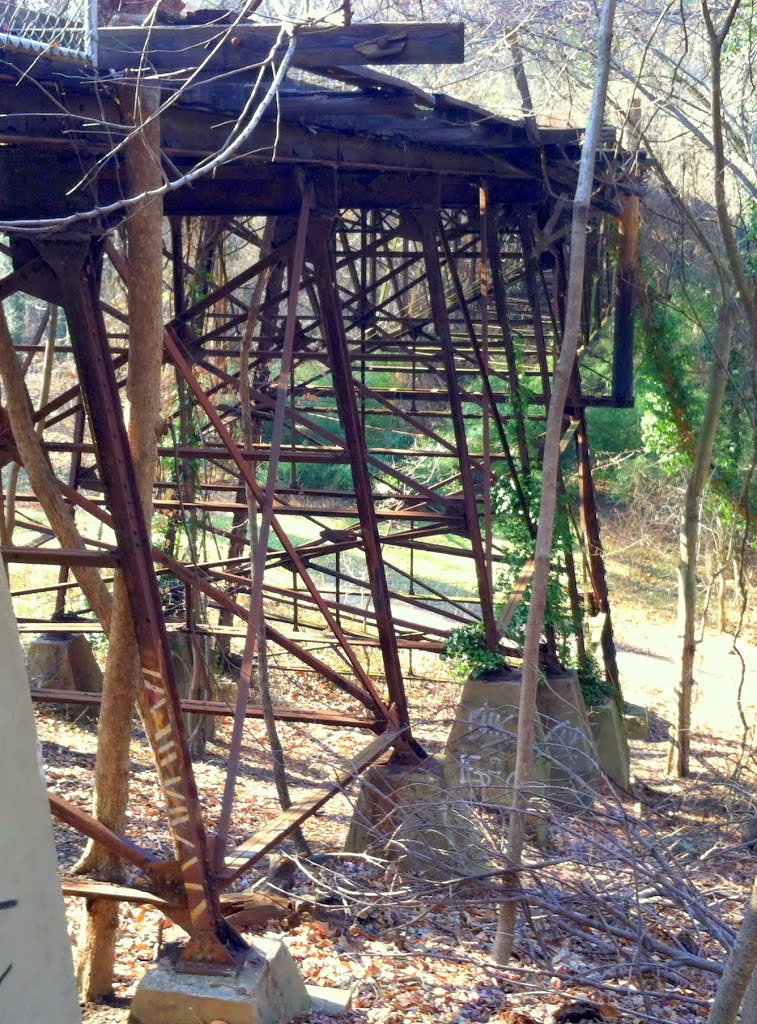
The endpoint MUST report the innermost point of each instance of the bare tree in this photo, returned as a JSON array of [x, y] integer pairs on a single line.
[[550, 472], [144, 233], [691, 518], [738, 972]]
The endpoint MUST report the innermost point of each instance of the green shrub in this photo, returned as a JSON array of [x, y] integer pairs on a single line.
[[466, 648]]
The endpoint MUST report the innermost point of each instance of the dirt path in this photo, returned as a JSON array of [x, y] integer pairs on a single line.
[[648, 652], [648, 661]]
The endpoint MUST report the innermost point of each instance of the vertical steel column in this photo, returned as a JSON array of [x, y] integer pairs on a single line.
[[532, 291], [237, 544], [483, 276], [462, 304], [590, 527], [625, 303], [488, 398], [363, 302], [73, 475], [256, 621], [441, 321], [503, 319], [325, 280], [213, 944]]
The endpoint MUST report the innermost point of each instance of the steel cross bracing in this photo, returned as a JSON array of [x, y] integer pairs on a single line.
[[391, 321], [382, 340]]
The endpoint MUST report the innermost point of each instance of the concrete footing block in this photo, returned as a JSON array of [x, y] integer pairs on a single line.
[[568, 745], [65, 661], [329, 1001], [636, 722], [416, 817], [612, 742], [482, 743], [268, 990]]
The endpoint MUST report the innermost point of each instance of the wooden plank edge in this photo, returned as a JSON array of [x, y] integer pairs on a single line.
[[258, 845]]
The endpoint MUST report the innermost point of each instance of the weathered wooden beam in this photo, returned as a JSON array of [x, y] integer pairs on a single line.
[[257, 846], [319, 104], [211, 707], [58, 556], [247, 187], [370, 78], [90, 888], [83, 822], [222, 49]]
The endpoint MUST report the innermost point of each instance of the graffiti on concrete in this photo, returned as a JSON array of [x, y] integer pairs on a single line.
[[489, 742]]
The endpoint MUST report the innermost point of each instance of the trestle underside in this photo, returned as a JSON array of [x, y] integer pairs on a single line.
[[393, 309]]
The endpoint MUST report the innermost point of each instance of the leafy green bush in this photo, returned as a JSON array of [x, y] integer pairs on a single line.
[[594, 688], [516, 539], [613, 431], [466, 648]]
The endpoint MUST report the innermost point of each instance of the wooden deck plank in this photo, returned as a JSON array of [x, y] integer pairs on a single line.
[[89, 826], [58, 556], [239, 48], [279, 828], [210, 707], [89, 888]]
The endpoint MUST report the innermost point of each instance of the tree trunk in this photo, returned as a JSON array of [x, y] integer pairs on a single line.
[[144, 234], [749, 1003], [41, 476], [678, 757], [745, 292], [550, 467], [736, 981], [44, 394]]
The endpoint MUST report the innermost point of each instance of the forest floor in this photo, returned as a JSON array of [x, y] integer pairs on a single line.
[[416, 952]]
